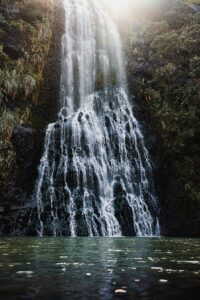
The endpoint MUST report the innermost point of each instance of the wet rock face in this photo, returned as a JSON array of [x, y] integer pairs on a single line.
[[28, 146], [196, 7], [123, 211], [14, 41], [27, 143], [12, 51], [15, 207], [46, 110]]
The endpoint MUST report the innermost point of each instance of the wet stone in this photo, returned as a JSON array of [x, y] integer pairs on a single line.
[[79, 151], [128, 129], [118, 189], [124, 215], [87, 149], [125, 118], [117, 178], [72, 180], [80, 116], [64, 112], [87, 117], [115, 117], [70, 152], [134, 125], [57, 126], [107, 122], [111, 105]]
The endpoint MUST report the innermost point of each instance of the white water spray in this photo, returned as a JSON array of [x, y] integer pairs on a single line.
[[95, 177]]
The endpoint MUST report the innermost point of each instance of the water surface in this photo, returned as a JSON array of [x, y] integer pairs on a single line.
[[99, 268]]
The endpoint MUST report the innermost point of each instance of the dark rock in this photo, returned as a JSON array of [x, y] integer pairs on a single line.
[[111, 105], [14, 223], [57, 126], [27, 143], [16, 203], [107, 122], [118, 190], [46, 110], [13, 51], [14, 41], [72, 180], [127, 111], [128, 129], [87, 149], [80, 116], [70, 152], [125, 118], [87, 117], [124, 215], [195, 7], [115, 117], [28, 146]]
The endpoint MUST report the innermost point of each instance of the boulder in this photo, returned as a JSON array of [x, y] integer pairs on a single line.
[[196, 7], [12, 51]]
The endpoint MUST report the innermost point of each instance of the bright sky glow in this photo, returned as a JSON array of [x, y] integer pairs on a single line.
[[120, 7]]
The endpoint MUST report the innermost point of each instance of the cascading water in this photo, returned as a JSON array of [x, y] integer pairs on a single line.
[[95, 177]]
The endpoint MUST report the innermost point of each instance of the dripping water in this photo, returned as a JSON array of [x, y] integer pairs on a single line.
[[95, 176]]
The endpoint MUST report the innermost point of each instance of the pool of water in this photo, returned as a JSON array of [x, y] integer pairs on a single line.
[[99, 268]]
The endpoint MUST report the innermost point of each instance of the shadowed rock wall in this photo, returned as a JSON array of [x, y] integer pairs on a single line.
[[27, 140]]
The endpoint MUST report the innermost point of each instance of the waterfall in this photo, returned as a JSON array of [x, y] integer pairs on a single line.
[[95, 176]]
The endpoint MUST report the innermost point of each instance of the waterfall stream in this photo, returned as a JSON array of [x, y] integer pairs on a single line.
[[95, 176]]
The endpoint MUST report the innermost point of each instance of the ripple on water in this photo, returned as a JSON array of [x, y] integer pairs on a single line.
[[24, 272], [194, 262], [157, 268], [118, 277], [163, 280], [120, 291]]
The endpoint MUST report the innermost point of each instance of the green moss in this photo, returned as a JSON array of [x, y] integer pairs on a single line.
[[17, 79], [7, 156], [166, 84], [20, 78]]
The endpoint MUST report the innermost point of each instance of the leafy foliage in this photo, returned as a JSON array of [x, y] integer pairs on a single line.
[[26, 30], [164, 70]]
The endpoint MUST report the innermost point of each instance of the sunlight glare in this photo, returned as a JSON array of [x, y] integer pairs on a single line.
[[119, 6], [123, 7]]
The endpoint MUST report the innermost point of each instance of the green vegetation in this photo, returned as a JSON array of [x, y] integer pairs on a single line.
[[164, 69], [25, 37]]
